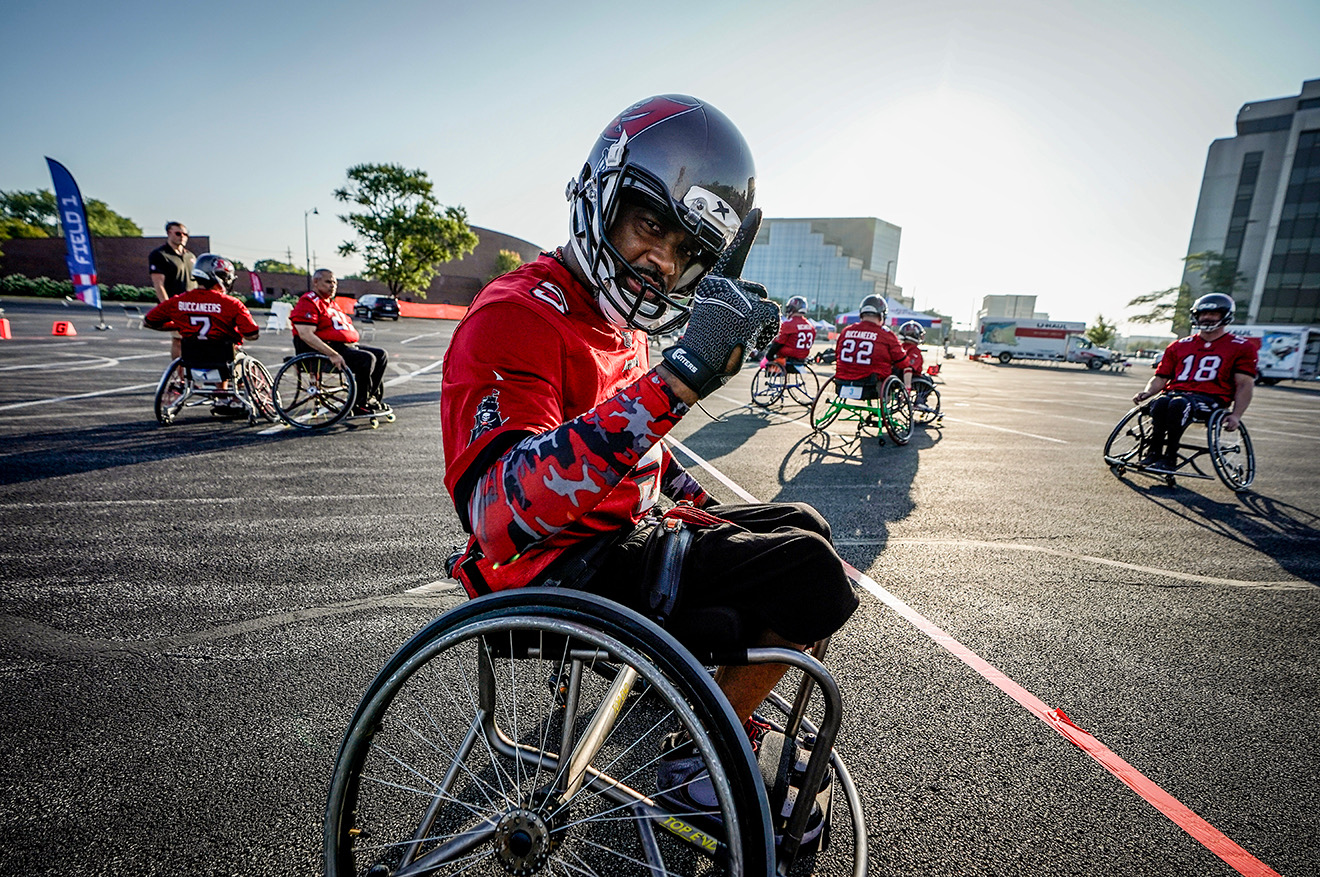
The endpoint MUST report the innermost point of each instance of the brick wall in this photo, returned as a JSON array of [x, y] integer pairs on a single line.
[[124, 260]]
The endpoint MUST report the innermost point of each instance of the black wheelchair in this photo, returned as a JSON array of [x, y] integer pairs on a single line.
[[1230, 453], [780, 378], [926, 399], [312, 393], [519, 733], [869, 404], [189, 382]]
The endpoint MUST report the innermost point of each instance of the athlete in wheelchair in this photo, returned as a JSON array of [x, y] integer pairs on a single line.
[[570, 726], [332, 376], [925, 398], [1207, 377], [784, 370], [211, 369], [872, 382]]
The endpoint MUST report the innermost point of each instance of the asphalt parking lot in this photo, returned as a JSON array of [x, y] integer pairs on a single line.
[[189, 615]]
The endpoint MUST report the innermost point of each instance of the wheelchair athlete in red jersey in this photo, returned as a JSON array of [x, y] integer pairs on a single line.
[[554, 418], [1211, 369]]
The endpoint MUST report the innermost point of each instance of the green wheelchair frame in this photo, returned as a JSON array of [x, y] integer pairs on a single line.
[[890, 410]]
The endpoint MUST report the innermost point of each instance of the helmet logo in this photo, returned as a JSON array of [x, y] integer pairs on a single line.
[[640, 116]]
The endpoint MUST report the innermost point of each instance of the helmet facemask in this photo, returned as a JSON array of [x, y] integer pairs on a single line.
[[1212, 302], [597, 196]]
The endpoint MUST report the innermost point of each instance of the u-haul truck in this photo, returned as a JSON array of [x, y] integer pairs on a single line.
[[1009, 338], [1286, 352]]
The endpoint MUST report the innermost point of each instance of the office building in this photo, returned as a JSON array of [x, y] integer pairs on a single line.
[[832, 263], [1260, 206]]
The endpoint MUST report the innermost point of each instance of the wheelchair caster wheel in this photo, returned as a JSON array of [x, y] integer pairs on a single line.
[[1120, 471], [1169, 481]]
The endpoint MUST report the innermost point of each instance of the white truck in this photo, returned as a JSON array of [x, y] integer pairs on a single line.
[[1010, 338], [1286, 352]]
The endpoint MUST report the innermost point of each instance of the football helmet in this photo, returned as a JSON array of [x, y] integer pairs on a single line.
[[911, 331], [685, 160], [1215, 301], [214, 270], [795, 305], [873, 304]]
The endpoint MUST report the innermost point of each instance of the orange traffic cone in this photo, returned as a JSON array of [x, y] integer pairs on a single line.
[[63, 327], [4, 330]]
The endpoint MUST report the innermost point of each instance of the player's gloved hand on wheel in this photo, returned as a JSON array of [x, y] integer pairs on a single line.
[[727, 313]]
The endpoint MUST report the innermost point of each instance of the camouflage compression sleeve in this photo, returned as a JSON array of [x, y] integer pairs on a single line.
[[678, 484], [547, 482]]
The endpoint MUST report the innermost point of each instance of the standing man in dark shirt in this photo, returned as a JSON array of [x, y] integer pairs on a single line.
[[171, 267]]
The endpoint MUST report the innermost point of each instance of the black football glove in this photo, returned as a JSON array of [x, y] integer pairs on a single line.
[[727, 313]]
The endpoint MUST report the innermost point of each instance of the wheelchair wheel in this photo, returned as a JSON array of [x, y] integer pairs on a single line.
[[896, 410], [802, 385], [768, 385], [825, 407], [1231, 452], [452, 763], [310, 393], [1128, 442], [171, 393], [928, 411], [260, 389]]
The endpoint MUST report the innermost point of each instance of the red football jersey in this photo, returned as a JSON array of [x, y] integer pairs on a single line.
[[1195, 365], [207, 314], [866, 348], [796, 334], [915, 360], [555, 358], [331, 323]]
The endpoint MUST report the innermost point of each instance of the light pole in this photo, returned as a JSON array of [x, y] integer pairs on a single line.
[[307, 249], [888, 265]]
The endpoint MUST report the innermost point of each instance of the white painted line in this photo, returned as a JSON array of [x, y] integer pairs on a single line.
[[128, 389], [403, 379], [419, 337]]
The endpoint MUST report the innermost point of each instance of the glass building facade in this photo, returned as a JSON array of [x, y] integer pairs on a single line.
[[832, 263], [1260, 207]]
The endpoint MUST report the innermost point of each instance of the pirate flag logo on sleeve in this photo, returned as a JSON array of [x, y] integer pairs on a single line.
[[488, 415]]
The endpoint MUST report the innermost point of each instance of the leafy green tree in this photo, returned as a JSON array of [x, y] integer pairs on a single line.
[[1218, 274], [1166, 306], [1103, 333], [505, 261], [275, 266], [403, 232], [36, 211]]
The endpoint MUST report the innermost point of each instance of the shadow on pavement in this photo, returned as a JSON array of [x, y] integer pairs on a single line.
[[1285, 533]]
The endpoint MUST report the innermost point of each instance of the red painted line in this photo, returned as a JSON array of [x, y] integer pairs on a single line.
[[1203, 832]]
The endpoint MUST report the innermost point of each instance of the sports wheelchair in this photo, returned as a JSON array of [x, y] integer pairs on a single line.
[[1230, 453], [519, 734], [189, 382], [926, 399], [312, 393], [780, 377], [860, 401]]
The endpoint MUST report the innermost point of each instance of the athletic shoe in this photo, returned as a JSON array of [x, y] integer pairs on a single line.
[[361, 411], [1152, 461], [682, 782]]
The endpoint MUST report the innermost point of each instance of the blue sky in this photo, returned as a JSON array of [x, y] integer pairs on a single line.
[[1047, 148]]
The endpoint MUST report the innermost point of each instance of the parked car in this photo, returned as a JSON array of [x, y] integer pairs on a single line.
[[376, 307]]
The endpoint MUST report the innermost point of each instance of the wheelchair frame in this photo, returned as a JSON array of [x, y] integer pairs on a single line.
[[1231, 454], [603, 671], [779, 378], [892, 410], [312, 393], [250, 383]]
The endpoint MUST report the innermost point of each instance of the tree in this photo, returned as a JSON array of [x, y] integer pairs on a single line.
[[405, 233], [275, 266], [1103, 333], [36, 216], [505, 261], [1218, 274]]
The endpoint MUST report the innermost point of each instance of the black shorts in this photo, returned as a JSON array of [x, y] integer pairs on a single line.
[[773, 564]]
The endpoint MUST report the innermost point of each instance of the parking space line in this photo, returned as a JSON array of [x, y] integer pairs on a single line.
[[127, 389], [1044, 438], [1203, 832]]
